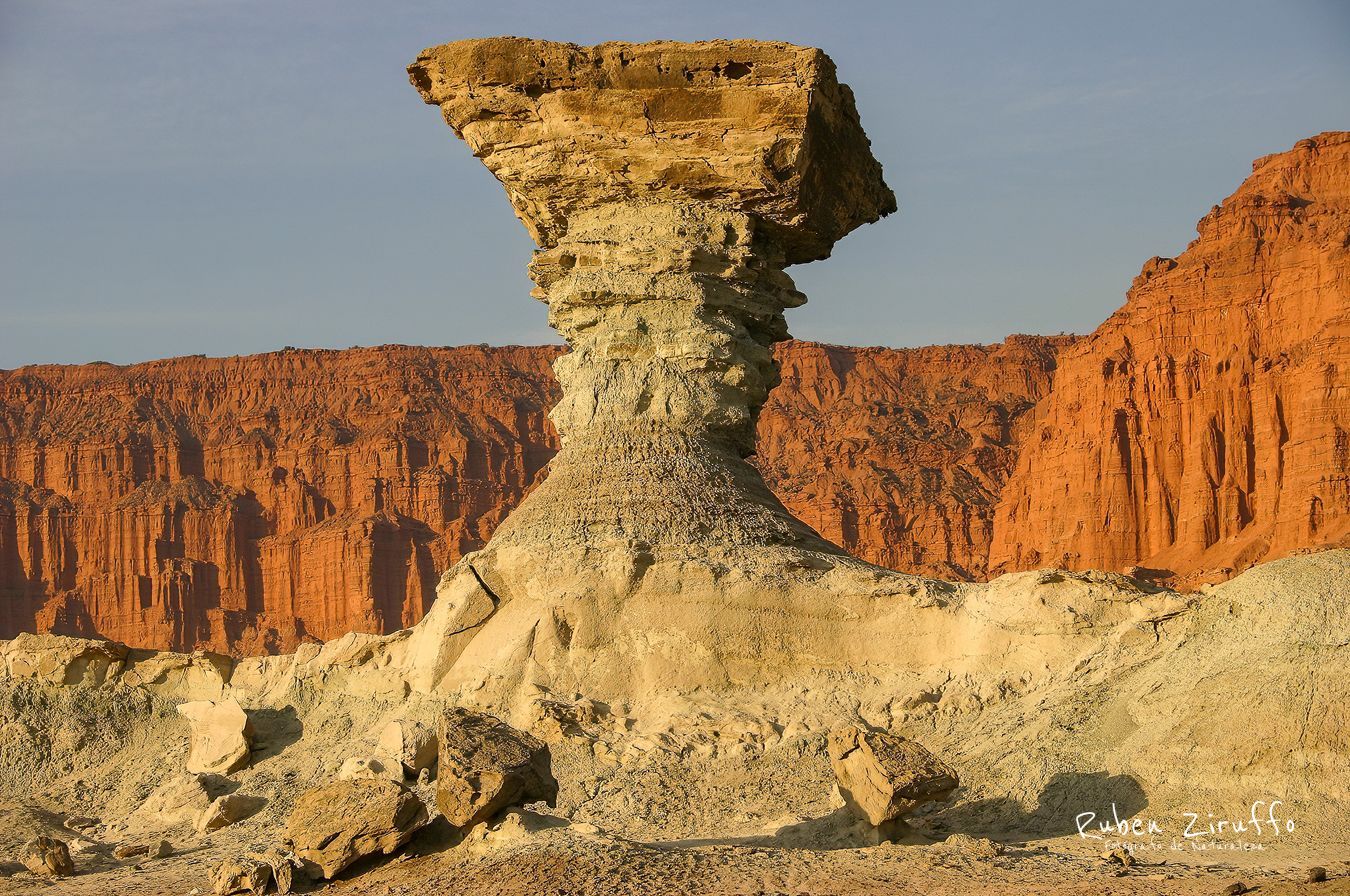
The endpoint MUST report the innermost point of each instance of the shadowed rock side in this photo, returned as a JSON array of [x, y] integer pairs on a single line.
[[242, 504], [1205, 426]]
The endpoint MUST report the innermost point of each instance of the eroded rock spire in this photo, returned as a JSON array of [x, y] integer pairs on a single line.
[[668, 185]]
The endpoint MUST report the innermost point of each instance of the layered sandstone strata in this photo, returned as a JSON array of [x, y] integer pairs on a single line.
[[1203, 427], [668, 186]]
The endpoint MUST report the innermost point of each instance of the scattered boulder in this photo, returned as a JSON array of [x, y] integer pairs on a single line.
[[245, 875], [226, 810], [180, 800], [338, 823], [361, 767], [163, 849], [1316, 875], [131, 850], [413, 744], [884, 776], [47, 856], [487, 766], [221, 736], [1237, 888]]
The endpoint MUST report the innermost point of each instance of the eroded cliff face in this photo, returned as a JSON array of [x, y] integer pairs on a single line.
[[244, 504], [1205, 427], [900, 455], [248, 503]]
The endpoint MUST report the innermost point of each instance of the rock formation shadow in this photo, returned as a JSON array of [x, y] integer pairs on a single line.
[[274, 731], [1059, 805]]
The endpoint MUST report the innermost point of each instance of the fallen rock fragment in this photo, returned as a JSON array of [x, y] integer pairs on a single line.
[[180, 800], [1316, 875], [413, 744], [47, 856], [487, 766], [221, 736], [282, 864], [1119, 857], [163, 849], [244, 875], [361, 767], [226, 810], [884, 776], [131, 850], [1237, 888], [338, 823]]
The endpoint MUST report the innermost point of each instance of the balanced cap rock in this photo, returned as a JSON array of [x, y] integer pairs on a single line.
[[668, 185]]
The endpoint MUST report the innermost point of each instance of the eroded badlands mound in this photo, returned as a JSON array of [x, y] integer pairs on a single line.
[[653, 677]]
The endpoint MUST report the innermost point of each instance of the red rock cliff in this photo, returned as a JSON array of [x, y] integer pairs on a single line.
[[245, 504], [1205, 427]]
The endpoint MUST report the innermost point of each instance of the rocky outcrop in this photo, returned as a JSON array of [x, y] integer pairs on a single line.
[[1205, 426], [668, 186], [250, 504]]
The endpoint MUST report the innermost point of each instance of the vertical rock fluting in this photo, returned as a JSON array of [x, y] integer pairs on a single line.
[[668, 186], [1205, 427]]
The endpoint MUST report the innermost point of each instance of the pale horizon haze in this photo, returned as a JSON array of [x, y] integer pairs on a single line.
[[189, 177]]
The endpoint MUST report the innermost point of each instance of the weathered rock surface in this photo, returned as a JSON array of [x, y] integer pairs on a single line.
[[251, 504], [411, 743], [884, 776], [47, 856], [227, 809], [487, 766], [244, 875], [668, 186], [1202, 428], [338, 823], [221, 736]]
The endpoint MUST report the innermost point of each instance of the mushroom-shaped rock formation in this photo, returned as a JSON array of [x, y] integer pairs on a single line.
[[668, 185]]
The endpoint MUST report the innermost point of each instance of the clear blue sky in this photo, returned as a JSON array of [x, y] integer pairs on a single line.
[[232, 176]]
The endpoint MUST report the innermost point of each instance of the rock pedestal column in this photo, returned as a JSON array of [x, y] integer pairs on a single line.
[[668, 186]]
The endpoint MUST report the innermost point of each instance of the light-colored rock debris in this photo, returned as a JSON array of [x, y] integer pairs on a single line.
[[221, 736]]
